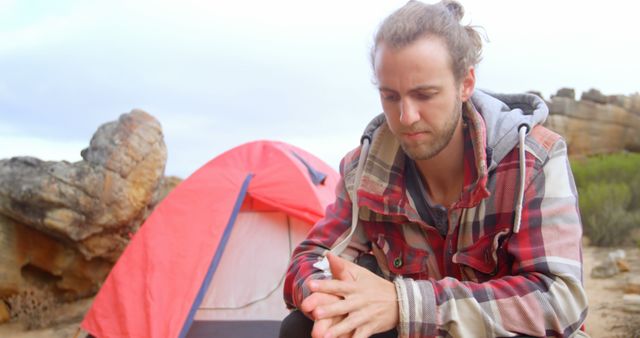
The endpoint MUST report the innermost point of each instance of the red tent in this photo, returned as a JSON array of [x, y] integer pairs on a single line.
[[211, 258]]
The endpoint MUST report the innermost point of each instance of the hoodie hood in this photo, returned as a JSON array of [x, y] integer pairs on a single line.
[[503, 115]]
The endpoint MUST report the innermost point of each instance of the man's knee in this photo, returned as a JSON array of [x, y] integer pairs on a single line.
[[296, 325]]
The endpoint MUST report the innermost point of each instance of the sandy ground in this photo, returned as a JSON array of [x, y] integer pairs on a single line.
[[606, 317]]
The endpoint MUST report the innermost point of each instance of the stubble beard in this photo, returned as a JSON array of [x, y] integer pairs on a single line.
[[441, 138]]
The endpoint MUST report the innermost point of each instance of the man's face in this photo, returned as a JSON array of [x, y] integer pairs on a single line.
[[420, 97]]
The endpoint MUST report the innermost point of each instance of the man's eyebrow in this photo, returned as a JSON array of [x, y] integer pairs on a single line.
[[426, 87], [420, 87], [386, 88]]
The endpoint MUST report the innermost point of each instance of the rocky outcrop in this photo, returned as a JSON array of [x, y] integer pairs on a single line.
[[64, 224], [30, 257], [566, 92], [597, 123]]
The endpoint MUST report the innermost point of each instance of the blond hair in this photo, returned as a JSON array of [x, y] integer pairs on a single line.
[[416, 20]]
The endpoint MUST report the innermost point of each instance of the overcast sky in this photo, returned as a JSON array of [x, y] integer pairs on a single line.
[[220, 73]]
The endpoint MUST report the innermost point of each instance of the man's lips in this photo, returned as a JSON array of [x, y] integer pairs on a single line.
[[413, 135]]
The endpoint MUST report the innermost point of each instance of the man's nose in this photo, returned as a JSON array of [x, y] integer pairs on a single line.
[[409, 113]]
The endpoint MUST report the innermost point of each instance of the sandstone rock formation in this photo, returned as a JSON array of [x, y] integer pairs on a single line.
[[64, 224], [596, 124], [594, 95], [632, 284], [567, 92]]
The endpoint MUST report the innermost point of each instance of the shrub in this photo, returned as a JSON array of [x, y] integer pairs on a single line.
[[609, 194], [605, 215]]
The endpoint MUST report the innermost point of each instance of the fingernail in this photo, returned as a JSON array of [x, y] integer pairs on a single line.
[[313, 285]]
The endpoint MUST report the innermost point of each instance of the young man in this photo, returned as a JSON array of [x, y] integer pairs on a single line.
[[467, 203]]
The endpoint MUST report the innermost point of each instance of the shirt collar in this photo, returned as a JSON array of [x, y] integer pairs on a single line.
[[383, 186]]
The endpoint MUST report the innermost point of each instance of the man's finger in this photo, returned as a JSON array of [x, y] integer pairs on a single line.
[[334, 287], [347, 325], [339, 268], [310, 303], [316, 299], [340, 308], [320, 327], [363, 331]]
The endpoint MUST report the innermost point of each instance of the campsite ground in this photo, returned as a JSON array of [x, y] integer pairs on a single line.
[[606, 318]]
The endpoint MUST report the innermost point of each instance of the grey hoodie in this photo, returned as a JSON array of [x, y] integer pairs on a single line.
[[508, 114]]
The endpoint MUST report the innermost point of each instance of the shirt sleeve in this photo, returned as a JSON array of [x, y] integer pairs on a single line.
[[325, 234], [543, 296]]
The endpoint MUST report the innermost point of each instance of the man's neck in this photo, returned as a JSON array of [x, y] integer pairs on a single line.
[[443, 174]]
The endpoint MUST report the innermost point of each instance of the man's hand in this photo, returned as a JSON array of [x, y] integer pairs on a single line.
[[320, 326], [368, 301]]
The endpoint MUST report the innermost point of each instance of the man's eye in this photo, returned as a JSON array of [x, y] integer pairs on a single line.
[[424, 97], [389, 97]]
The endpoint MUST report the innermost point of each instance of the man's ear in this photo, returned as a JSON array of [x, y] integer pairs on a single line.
[[468, 84]]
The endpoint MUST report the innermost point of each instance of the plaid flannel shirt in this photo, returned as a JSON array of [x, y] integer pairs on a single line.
[[481, 279]]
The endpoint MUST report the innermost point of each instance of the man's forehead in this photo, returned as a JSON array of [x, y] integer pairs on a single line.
[[424, 65]]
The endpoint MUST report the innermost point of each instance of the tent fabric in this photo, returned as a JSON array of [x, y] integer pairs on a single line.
[[152, 291], [217, 256], [259, 299]]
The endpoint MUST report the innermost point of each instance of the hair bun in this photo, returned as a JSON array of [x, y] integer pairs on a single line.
[[454, 8]]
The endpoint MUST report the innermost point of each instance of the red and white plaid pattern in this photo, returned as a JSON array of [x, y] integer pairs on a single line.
[[481, 280]]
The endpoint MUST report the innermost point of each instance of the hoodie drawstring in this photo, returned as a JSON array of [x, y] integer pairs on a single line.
[[338, 249], [522, 133], [323, 264]]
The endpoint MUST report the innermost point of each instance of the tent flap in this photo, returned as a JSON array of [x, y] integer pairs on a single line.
[[218, 255]]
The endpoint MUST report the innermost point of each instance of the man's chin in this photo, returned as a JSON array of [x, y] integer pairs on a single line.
[[418, 153]]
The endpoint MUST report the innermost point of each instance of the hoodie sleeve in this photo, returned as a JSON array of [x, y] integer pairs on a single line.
[[543, 294], [328, 232]]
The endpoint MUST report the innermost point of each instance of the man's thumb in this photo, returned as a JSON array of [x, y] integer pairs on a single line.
[[339, 268]]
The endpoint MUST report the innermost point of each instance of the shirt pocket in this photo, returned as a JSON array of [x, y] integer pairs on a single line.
[[400, 258], [485, 259]]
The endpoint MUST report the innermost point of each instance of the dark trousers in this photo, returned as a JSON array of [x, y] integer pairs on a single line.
[[297, 325]]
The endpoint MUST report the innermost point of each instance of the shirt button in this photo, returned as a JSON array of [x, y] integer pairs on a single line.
[[397, 262]]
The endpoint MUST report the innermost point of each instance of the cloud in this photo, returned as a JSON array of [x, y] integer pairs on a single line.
[[5, 93], [217, 74], [44, 149]]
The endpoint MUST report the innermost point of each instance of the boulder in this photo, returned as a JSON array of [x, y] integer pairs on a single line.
[[594, 95], [632, 284], [631, 303], [569, 93], [605, 269], [611, 265], [623, 266], [621, 101], [63, 225], [167, 183], [96, 202], [591, 128], [634, 103], [4, 312], [31, 257]]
